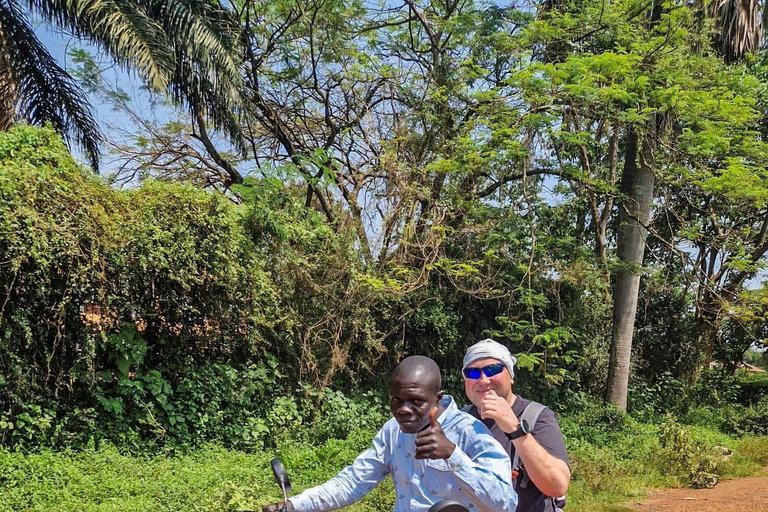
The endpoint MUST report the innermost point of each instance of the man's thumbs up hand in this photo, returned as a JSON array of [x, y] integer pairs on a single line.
[[433, 419], [431, 443]]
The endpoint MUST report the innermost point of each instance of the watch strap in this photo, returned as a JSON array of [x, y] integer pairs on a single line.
[[521, 431]]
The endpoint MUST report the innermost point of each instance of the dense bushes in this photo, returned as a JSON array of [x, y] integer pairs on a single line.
[[168, 315], [112, 300], [164, 315]]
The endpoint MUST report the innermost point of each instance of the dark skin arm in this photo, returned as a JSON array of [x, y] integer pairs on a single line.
[[431, 442]]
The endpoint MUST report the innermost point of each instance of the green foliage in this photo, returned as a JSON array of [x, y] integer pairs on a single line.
[[190, 274], [751, 420], [59, 228], [757, 358], [691, 459], [752, 386], [488, 210], [339, 415], [110, 298], [204, 402], [650, 398], [613, 459], [756, 448], [209, 480]]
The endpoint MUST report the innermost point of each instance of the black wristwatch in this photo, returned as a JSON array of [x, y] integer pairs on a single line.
[[522, 430]]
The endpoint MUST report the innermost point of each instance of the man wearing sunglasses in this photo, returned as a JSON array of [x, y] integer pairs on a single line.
[[544, 472]]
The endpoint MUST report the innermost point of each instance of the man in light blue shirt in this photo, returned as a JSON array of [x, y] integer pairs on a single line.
[[431, 450]]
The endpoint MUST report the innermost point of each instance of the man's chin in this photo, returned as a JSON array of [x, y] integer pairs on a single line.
[[409, 427]]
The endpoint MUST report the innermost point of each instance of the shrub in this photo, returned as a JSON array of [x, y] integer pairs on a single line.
[[752, 420], [649, 398], [689, 458], [752, 387], [337, 414]]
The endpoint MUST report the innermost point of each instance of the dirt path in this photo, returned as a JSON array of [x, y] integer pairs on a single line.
[[737, 495]]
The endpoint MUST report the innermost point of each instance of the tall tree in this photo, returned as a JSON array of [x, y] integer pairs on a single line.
[[637, 188], [737, 31]]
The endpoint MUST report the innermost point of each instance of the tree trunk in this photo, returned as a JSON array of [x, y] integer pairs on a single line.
[[637, 185]]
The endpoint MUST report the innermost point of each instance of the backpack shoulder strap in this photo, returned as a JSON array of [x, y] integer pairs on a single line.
[[530, 415]]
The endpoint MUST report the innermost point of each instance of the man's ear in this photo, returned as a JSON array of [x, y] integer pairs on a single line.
[[440, 394]]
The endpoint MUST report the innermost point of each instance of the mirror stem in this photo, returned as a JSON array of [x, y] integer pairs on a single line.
[[285, 496]]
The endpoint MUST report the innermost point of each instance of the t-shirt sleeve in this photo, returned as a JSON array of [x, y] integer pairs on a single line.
[[547, 432]]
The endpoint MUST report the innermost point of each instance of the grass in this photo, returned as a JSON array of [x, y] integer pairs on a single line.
[[211, 479], [614, 463], [611, 467]]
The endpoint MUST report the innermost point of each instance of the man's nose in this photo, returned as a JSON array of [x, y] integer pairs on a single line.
[[405, 408], [484, 379]]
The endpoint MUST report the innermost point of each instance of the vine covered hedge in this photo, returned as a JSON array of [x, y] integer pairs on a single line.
[[167, 314], [111, 297]]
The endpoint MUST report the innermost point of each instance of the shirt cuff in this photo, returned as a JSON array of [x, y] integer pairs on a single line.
[[458, 459]]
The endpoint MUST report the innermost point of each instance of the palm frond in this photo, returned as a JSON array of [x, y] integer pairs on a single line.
[[124, 28], [157, 39], [197, 90], [205, 32], [39, 89], [207, 73]]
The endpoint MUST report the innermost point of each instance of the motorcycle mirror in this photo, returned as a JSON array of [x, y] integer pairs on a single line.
[[448, 506], [281, 476]]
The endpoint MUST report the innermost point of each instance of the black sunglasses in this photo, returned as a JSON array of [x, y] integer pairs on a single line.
[[489, 371]]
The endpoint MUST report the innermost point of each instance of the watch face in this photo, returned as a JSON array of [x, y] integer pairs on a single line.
[[524, 426]]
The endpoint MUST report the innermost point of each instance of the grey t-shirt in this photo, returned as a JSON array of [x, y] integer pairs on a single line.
[[547, 432]]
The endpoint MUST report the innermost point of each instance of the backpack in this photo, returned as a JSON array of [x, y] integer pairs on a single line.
[[530, 415]]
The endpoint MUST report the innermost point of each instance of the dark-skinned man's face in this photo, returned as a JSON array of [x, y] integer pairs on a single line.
[[410, 402]]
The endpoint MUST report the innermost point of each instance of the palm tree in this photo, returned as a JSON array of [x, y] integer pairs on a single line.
[[186, 48], [738, 27]]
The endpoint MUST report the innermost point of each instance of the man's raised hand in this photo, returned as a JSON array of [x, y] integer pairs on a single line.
[[497, 409], [431, 442]]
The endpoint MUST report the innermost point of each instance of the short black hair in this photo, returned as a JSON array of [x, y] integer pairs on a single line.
[[420, 368]]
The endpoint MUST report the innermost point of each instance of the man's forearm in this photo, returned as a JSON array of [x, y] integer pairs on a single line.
[[483, 481], [550, 474]]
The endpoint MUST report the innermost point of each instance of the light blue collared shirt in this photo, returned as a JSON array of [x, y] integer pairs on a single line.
[[478, 473]]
